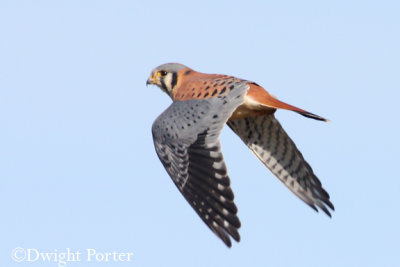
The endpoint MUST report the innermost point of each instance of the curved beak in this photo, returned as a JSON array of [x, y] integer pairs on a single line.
[[150, 81]]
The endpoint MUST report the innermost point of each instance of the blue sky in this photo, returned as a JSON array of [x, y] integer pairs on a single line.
[[77, 165]]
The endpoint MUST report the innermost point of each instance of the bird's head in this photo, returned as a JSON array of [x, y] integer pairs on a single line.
[[166, 76]]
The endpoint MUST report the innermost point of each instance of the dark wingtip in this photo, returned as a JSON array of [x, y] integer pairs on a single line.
[[226, 239], [323, 208], [326, 211], [235, 235], [330, 205], [313, 116], [226, 234]]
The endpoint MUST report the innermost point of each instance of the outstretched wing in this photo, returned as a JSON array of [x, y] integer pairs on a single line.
[[186, 138], [267, 139]]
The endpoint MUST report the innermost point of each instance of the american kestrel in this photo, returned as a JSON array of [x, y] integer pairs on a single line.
[[186, 139]]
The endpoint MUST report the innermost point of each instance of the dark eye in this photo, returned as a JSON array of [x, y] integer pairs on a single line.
[[163, 73]]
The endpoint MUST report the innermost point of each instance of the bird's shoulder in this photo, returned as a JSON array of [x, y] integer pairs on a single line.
[[197, 85]]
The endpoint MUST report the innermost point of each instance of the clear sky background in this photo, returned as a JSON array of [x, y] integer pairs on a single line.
[[78, 168]]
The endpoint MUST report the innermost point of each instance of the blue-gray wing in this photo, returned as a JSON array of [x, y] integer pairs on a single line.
[[186, 139]]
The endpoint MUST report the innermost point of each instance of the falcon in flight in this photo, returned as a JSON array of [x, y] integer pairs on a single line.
[[186, 139]]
